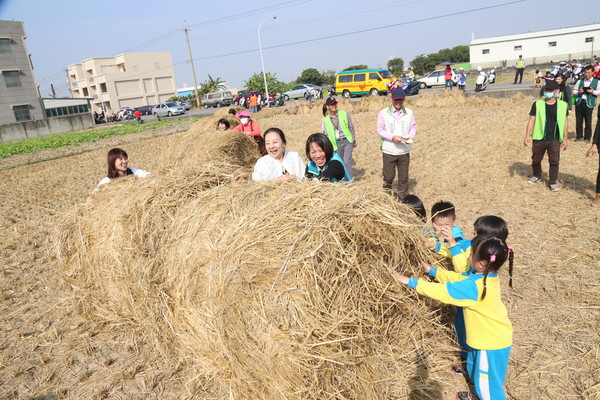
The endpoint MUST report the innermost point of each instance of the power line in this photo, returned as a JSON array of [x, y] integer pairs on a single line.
[[365, 30]]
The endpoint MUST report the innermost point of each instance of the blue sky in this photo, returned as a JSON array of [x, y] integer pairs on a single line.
[[224, 41]]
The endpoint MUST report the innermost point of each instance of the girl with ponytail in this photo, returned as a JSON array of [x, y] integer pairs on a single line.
[[489, 331]]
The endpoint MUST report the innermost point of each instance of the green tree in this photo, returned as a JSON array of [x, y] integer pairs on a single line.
[[396, 66], [426, 63], [256, 83], [353, 67], [419, 64], [211, 85], [310, 75]]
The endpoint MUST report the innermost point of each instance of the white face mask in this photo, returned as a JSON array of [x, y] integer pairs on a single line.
[[244, 121], [549, 95]]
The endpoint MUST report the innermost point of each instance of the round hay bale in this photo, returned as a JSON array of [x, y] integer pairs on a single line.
[[275, 290]]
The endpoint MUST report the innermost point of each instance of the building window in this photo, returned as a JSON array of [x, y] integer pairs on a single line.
[[22, 113], [589, 39], [485, 51], [551, 44], [518, 48], [5, 46], [12, 78]]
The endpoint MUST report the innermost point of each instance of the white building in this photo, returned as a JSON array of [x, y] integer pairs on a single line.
[[541, 47]]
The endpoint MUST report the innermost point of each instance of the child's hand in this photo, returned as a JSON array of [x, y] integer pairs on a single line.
[[426, 267], [447, 235], [429, 242], [400, 278]]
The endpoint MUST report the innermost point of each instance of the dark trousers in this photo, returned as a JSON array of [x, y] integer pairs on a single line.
[[519, 74], [583, 112], [598, 178], [540, 147], [390, 165]]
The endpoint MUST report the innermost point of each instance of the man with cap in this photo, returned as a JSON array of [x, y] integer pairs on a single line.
[[586, 92], [519, 68], [338, 127], [397, 127], [548, 127]]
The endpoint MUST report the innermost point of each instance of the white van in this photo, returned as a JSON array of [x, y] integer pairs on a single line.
[[217, 99]]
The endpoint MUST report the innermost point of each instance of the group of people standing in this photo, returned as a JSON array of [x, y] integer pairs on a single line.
[[547, 128]]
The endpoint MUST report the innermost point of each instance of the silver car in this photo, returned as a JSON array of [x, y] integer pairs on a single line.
[[167, 109], [299, 91]]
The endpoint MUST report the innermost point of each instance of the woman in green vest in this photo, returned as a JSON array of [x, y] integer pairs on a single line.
[[548, 127], [338, 127]]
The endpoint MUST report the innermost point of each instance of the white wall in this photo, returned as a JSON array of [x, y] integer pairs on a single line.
[[536, 50]]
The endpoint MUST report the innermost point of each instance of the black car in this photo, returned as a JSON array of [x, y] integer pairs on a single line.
[[145, 110]]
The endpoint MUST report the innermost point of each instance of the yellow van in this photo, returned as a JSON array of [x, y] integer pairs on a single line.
[[362, 81]]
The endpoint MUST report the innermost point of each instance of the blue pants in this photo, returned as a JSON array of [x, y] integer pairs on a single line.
[[449, 84], [487, 370], [461, 333]]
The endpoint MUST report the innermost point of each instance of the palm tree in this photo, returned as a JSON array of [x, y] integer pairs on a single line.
[[212, 85]]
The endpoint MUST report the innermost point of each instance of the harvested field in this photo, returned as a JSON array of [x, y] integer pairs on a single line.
[[187, 286]]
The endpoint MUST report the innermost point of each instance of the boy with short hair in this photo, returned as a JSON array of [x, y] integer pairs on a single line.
[[443, 218]]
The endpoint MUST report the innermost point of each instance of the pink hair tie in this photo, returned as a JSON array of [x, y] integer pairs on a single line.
[[510, 250], [492, 258]]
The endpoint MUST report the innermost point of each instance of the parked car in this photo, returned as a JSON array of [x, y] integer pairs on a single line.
[[298, 91], [246, 97], [217, 99], [168, 109], [186, 106], [145, 110], [436, 78], [362, 81]]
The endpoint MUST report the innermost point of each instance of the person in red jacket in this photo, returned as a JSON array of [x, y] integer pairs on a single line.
[[252, 128], [448, 77], [138, 115]]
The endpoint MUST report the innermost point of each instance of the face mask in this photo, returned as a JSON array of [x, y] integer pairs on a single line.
[[244, 120], [549, 95]]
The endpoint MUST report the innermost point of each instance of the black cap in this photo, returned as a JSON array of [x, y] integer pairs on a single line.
[[398, 93], [330, 101], [551, 85]]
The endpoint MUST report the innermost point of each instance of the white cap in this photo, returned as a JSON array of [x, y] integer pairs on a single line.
[[479, 68]]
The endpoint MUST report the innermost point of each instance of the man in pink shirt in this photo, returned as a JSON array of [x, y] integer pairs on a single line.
[[397, 127]]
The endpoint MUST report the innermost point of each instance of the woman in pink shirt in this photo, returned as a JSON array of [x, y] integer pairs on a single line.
[[251, 127], [448, 77]]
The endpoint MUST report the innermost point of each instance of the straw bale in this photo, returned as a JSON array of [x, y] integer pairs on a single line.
[[274, 290]]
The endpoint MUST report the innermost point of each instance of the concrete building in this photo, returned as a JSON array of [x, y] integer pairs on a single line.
[[19, 98], [540, 47], [125, 80]]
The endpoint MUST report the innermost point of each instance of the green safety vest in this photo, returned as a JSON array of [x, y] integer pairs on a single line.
[[520, 64], [590, 99], [344, 126], [539, 129]]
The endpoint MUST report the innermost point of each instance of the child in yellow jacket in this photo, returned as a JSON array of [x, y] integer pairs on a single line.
[[489, 331]]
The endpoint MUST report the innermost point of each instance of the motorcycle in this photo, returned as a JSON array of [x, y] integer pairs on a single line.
[[481, 81], [492, 76], [276, 100], [555, 69], [331, 92], [411, 87]]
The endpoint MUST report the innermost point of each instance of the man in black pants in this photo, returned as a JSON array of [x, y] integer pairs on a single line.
[[585, 91], [591, 151], [519, 68]]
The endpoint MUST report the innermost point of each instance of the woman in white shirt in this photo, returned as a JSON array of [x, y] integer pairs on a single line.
[[279, 164], [118, 166]]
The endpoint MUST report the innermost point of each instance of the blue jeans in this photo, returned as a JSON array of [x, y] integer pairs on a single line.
[[254, 109], [449, 84]]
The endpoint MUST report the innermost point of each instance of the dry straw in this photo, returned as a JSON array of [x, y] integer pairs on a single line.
[[270, 290]]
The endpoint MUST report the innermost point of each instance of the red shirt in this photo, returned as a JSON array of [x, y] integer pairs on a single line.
[[251, 128], [137, 114], [448, 74]]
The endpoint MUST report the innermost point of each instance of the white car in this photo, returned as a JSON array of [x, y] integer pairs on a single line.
[[436, 78], [167, 109], [298, 91]]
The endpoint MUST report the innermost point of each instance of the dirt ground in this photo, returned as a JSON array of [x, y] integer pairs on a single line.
[[468, 151]]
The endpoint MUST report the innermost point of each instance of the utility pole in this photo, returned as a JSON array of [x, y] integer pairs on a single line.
[[187, 40], [262, 60]]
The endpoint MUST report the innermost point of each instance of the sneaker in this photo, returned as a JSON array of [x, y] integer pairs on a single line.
[[466, 396], [578, 140], [458, 369], [534, 179], [554, 187], [588, 141]]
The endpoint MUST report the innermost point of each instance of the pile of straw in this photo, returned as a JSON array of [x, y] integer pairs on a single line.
[[268, 290]]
